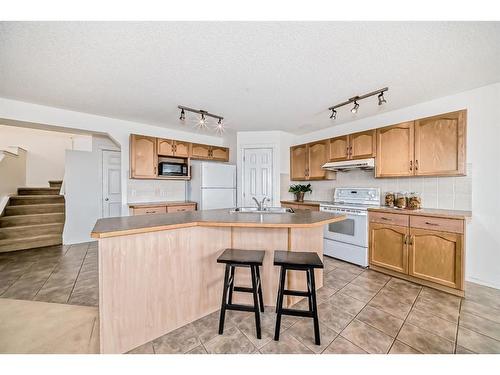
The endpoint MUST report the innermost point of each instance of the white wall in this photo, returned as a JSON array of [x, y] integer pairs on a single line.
[[12, 173], [483, 156], [12, 111], [45, 152]]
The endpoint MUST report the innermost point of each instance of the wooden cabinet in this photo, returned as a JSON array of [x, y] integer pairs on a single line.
[[143, 157], [306, 161], [149, 210], [219, 153], [298, 163], [162, 208], [317, 155], [395, 151], [422, 249], [165, 147], [339, 148], [187, 207], [301, 206], [389, 246], [437, 257], [182, 149], [440, 145], [362, 145], [199, 151]]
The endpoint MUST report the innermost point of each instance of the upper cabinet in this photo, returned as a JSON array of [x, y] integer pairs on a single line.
[[395, 150], [440, 145], [143, 157], [353, 146], [298, 163], [306, 161], [339, 148], [144, 153]]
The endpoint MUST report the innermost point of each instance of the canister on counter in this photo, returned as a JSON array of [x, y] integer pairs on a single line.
[[400, 200], [390, 198], [414, 201]]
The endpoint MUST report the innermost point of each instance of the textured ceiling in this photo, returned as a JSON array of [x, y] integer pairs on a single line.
[[258, 75]]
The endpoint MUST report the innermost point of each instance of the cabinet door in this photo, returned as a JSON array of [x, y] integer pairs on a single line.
[[219, 153], [165, 147], [339, 148], [143, 155], [317, 156], [362, 145], [182, 149], [199, 151], [298, 163], [187, 207], [437, 257], [440, 145], [150, 210], [395, 151], [388, 246]]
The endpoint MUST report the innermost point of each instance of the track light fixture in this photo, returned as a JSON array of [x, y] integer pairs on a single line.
[[203, 123], [355, 99]]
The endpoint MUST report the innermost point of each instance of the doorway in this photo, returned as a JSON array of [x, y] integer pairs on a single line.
[[111, 183], [257, 176]]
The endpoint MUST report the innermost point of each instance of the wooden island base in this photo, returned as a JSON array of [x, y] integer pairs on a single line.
[[155, 282]]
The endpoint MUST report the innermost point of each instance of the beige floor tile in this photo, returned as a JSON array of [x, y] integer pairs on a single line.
[[146, 348], [233, 341], [303, 331], [381, 320], [39, 327], [401, 348], [208, 327], [385, 301], [483, 311], [351, 268], [324, 293], [438, 296], [342, 274], [462, 350], [483, 295], [358, 292], [445, 309], [433, 323], [331, 280], [480, 325], [400, 295], [424, 341], [367, 338], [180, 341], [198, 350], [476, 342], [374, 276], [333, 317], [287, 344], [346, 303], [267, 326], [404, 286], [368, 284], [342, 346]]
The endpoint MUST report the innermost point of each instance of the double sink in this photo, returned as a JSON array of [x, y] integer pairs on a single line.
[[265, 210]]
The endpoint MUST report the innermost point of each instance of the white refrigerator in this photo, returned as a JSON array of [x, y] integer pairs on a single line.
[[212, 185]]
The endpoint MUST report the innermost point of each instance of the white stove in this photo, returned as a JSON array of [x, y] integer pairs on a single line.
[[348, 239]]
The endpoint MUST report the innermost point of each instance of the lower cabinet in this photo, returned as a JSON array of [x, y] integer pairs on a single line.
[[431, 257], [161, 208], [388, 246], [301, 206]]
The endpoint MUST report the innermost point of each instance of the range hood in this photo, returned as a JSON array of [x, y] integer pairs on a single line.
[[343, 166]]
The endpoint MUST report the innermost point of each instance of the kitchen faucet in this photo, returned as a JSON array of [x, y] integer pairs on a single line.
[[260, 205]]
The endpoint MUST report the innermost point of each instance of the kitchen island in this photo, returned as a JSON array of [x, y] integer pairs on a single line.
[[159, 272]]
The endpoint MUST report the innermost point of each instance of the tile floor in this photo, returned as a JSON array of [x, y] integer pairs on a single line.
[[361, 311], [59, 274]]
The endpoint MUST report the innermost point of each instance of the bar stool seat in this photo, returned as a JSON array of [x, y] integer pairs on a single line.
[[297, 261], [242, 258]]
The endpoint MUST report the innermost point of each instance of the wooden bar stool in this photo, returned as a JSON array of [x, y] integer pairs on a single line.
[[241, 258], [297, 261]]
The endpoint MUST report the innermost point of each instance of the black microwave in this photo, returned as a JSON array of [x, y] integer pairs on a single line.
[[172, 169]]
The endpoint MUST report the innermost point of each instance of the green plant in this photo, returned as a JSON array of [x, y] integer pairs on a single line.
[[298, 188]]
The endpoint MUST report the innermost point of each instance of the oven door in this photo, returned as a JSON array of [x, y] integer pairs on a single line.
[[353, 230]]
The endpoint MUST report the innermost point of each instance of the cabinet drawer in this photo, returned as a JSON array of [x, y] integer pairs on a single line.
[[188, 207], [150, 210], [307, 207], [438, 224], [388, 218]]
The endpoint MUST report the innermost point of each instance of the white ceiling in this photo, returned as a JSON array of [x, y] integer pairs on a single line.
[[258, 75]]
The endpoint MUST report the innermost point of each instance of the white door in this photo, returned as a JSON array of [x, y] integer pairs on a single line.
[[257, 175], [111, 183]]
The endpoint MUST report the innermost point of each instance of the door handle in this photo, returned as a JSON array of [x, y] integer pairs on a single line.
[[411, 165], [106, 199], [416, 165]]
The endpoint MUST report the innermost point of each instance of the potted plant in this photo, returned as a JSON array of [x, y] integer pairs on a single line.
[[299, 191]]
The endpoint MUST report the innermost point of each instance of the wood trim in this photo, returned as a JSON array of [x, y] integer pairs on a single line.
[[437, 224], [389, 218], [429, 212]]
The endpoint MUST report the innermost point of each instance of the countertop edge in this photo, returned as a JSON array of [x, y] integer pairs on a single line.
[[127, 232], [446, 214]]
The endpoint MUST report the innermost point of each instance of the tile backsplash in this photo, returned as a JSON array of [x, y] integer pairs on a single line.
[[437, 192], [155, 191]]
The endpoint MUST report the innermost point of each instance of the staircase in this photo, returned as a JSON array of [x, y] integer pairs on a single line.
[[33, 218]]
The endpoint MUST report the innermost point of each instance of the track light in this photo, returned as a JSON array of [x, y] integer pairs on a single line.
[[219, 128], [334, 114], [381, 99], [203, 123], [183, 115], [355, 108], [355, 100]]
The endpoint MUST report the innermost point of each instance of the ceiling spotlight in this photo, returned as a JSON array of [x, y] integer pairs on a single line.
[[219, 128], [334, 114], [355, 108], [381, 99], [183, 115], [202, 124]]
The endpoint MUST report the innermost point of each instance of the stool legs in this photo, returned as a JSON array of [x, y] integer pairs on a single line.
[[314, 307], [231, 284], [255, 294], [279, 305], [224, 296], [261, 299]]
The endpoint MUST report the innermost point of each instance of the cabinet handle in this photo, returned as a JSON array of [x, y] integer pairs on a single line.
[[405, 242], [350, 150], [416, 165], [384, 218], [411, 239], [347, 150], [433, 224], [411, 166], [155, 169], [150, 212]]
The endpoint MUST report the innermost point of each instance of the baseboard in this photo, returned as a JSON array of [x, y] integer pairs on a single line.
[[3, 204], [482, 282]]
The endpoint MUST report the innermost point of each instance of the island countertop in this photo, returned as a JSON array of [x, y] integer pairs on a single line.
[[126, 225]]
